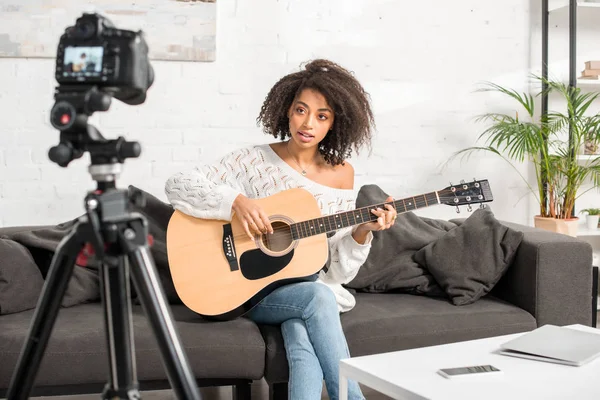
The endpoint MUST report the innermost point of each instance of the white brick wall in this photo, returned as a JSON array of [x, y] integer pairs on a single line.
[[420, 61]]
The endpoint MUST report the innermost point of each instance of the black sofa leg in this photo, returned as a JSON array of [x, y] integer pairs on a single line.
[[594, 296], [242, 391], [278, 391]]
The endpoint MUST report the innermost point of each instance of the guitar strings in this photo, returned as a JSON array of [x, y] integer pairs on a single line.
[[288, 228], [288, 235]]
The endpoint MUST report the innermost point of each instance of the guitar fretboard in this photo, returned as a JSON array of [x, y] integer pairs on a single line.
[[358, 216]]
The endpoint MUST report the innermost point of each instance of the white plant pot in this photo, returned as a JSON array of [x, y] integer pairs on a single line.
[[592, 221]]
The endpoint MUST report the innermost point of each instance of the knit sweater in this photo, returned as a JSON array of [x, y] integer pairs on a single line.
[[208, 192]]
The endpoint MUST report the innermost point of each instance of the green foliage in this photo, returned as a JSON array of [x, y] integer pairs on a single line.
[[591, 211], [545, 142]]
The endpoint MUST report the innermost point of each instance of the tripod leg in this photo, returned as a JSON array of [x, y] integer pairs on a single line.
[[155, 305], [44, 317], [122, 382]]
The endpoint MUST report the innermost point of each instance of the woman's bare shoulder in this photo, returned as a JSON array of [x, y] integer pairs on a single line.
[[345, 175]]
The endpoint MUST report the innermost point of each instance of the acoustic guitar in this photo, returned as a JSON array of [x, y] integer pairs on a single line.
[[220, 273]]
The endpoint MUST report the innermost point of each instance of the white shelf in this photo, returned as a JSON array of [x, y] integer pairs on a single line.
[[582, 230], [583, 5], [589, 82], [585, 84], [587, 157]]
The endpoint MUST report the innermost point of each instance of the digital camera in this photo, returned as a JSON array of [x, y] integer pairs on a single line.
[[94, 52]]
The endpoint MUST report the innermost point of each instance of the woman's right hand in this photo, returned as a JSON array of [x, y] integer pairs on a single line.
[[251, 216]]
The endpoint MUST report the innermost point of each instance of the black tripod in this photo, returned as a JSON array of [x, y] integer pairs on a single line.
[[118, 237]]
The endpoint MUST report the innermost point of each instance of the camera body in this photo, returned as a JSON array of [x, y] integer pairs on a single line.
[[95, 62], [94, 52]]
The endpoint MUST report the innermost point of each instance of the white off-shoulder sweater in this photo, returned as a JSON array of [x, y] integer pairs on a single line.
[[209, 191]]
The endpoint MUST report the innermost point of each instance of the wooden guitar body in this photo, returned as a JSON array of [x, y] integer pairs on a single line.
[[220, 273]]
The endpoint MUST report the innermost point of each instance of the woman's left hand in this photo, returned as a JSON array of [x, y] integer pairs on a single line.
[[385, 220]]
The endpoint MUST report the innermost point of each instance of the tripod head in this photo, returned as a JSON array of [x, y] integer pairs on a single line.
[[70, 115]]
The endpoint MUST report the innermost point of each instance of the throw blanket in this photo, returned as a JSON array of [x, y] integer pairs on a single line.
[[84, 283], [390, 265]]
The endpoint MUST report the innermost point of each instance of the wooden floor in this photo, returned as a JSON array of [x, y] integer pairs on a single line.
[[259, 392]]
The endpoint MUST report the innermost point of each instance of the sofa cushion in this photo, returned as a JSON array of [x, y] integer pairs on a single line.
[[21, 281], [76, 352], [391, 321], [470, 259]]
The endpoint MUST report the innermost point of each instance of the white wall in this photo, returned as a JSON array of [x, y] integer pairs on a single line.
[[420, 61]]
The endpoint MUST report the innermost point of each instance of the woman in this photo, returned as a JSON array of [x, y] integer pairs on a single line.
[[320, 114]]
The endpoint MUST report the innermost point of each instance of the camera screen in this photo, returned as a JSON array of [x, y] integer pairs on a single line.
[[83, 61]]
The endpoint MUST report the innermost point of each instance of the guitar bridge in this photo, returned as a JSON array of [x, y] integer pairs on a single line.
[[229, 248]]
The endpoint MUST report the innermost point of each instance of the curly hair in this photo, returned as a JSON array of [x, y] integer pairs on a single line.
[[351, 106]]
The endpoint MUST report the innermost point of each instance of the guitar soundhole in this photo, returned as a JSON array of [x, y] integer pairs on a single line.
[[280, 240]]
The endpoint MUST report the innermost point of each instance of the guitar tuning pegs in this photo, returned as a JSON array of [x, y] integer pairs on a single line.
[[457, 210], [482, 206], [469, 208], [462, 181]]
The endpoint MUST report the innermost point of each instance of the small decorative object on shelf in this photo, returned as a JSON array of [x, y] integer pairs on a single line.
[[590, 147], [592, 217], [591, 71]]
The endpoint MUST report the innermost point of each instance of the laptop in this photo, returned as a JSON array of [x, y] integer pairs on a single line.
[[555, 344]]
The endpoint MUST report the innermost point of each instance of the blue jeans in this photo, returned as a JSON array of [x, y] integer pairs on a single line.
[[312, 335]]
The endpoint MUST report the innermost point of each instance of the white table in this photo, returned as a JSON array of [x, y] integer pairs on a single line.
[[412, 374]]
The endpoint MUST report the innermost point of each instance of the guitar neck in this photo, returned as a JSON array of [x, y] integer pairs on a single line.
[[359, 216]]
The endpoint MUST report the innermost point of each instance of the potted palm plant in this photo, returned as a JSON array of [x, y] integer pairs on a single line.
[[552, 143]]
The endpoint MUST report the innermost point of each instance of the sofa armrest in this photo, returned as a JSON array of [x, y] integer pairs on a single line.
[[11, 230], [551, 277]]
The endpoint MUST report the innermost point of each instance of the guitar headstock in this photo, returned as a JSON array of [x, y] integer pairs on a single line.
[[466, 193]]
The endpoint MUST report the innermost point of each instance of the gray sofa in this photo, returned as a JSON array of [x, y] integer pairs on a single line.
[[549, 282]]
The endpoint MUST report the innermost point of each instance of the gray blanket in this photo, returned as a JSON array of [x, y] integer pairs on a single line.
[[83, 287], [42, 244], [390, 265]]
